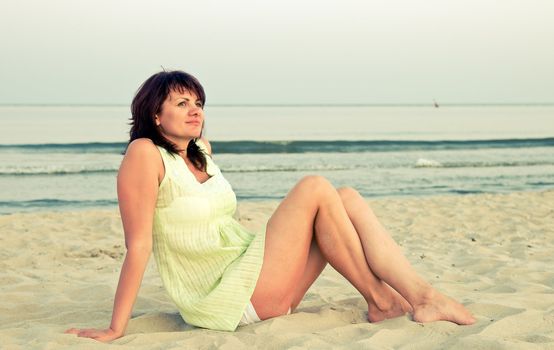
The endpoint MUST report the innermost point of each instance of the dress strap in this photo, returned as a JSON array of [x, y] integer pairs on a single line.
[[174, 166], [168, 160]]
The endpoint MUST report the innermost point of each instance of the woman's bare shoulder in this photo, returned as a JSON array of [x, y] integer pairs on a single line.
[[142, 154], [141, 147]]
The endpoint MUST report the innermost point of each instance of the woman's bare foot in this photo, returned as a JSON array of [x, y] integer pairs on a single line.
[[389, 304], [436, 306]]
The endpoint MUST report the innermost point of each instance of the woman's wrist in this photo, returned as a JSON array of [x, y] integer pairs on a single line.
[[119, 331]]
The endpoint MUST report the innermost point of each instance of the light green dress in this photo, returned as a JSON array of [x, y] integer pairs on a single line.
[[209, 263]]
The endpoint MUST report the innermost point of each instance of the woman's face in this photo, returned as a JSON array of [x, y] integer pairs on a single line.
[[181, 117]]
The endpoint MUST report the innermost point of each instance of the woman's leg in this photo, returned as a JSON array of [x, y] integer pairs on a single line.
[[316, 263], [313, 205], [387, 261]]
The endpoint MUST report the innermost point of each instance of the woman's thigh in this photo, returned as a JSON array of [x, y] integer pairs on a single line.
[[289, 234]]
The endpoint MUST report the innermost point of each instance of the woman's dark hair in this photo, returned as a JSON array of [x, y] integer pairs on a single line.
[[148, 102]]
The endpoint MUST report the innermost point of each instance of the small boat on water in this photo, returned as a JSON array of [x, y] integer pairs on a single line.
[[435, 104]]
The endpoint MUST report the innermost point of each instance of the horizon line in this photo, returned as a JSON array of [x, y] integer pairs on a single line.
[[452, 104]]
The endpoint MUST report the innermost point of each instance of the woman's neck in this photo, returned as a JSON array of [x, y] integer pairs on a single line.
[[181, 144]]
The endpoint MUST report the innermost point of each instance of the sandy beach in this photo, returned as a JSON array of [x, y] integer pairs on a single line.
[[492, 252]]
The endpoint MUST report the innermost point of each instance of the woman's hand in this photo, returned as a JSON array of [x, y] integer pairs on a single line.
[[103, 335]]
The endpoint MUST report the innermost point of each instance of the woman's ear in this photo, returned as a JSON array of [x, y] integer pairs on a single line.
[[157, 120]]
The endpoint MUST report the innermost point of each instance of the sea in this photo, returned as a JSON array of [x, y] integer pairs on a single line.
[[67, 157]]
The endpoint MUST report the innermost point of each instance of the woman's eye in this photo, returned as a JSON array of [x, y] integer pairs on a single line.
[[199, 105]]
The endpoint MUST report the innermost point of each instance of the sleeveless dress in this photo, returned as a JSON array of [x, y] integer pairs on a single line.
[[209, 263]]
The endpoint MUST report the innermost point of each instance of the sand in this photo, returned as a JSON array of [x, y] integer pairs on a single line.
[[494, 253]]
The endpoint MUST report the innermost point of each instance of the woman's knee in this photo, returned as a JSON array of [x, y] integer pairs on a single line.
[[348, 193], [316, 184]]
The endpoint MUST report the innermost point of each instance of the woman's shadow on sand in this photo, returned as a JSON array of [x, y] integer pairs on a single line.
[[157, 322], [341, 313]]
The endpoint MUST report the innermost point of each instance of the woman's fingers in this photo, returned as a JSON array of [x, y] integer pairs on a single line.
[[84, 332], [90, 333], [97, 334]]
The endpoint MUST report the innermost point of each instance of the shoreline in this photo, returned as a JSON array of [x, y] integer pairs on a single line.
[[245, 201], [492, 252]]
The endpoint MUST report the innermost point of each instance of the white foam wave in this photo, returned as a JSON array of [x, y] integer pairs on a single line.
[[427, 163], [54, 169]]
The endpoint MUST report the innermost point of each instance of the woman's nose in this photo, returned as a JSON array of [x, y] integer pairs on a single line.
[[195, 110]]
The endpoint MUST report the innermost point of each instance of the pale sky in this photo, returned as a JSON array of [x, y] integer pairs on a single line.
[[280, 52]]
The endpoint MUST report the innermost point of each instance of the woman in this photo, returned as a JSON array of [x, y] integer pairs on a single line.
[[175, 202]]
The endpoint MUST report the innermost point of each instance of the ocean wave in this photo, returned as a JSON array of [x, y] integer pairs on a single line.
[[47, 171], [91, 147], [247, 168], [259, 169], [428, 163], [257, 147], [231, 169], [52, 203]]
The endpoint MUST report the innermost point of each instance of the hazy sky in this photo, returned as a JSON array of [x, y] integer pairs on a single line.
[[280, 52]]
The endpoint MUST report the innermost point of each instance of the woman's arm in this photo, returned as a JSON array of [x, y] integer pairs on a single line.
[[137, 191]]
